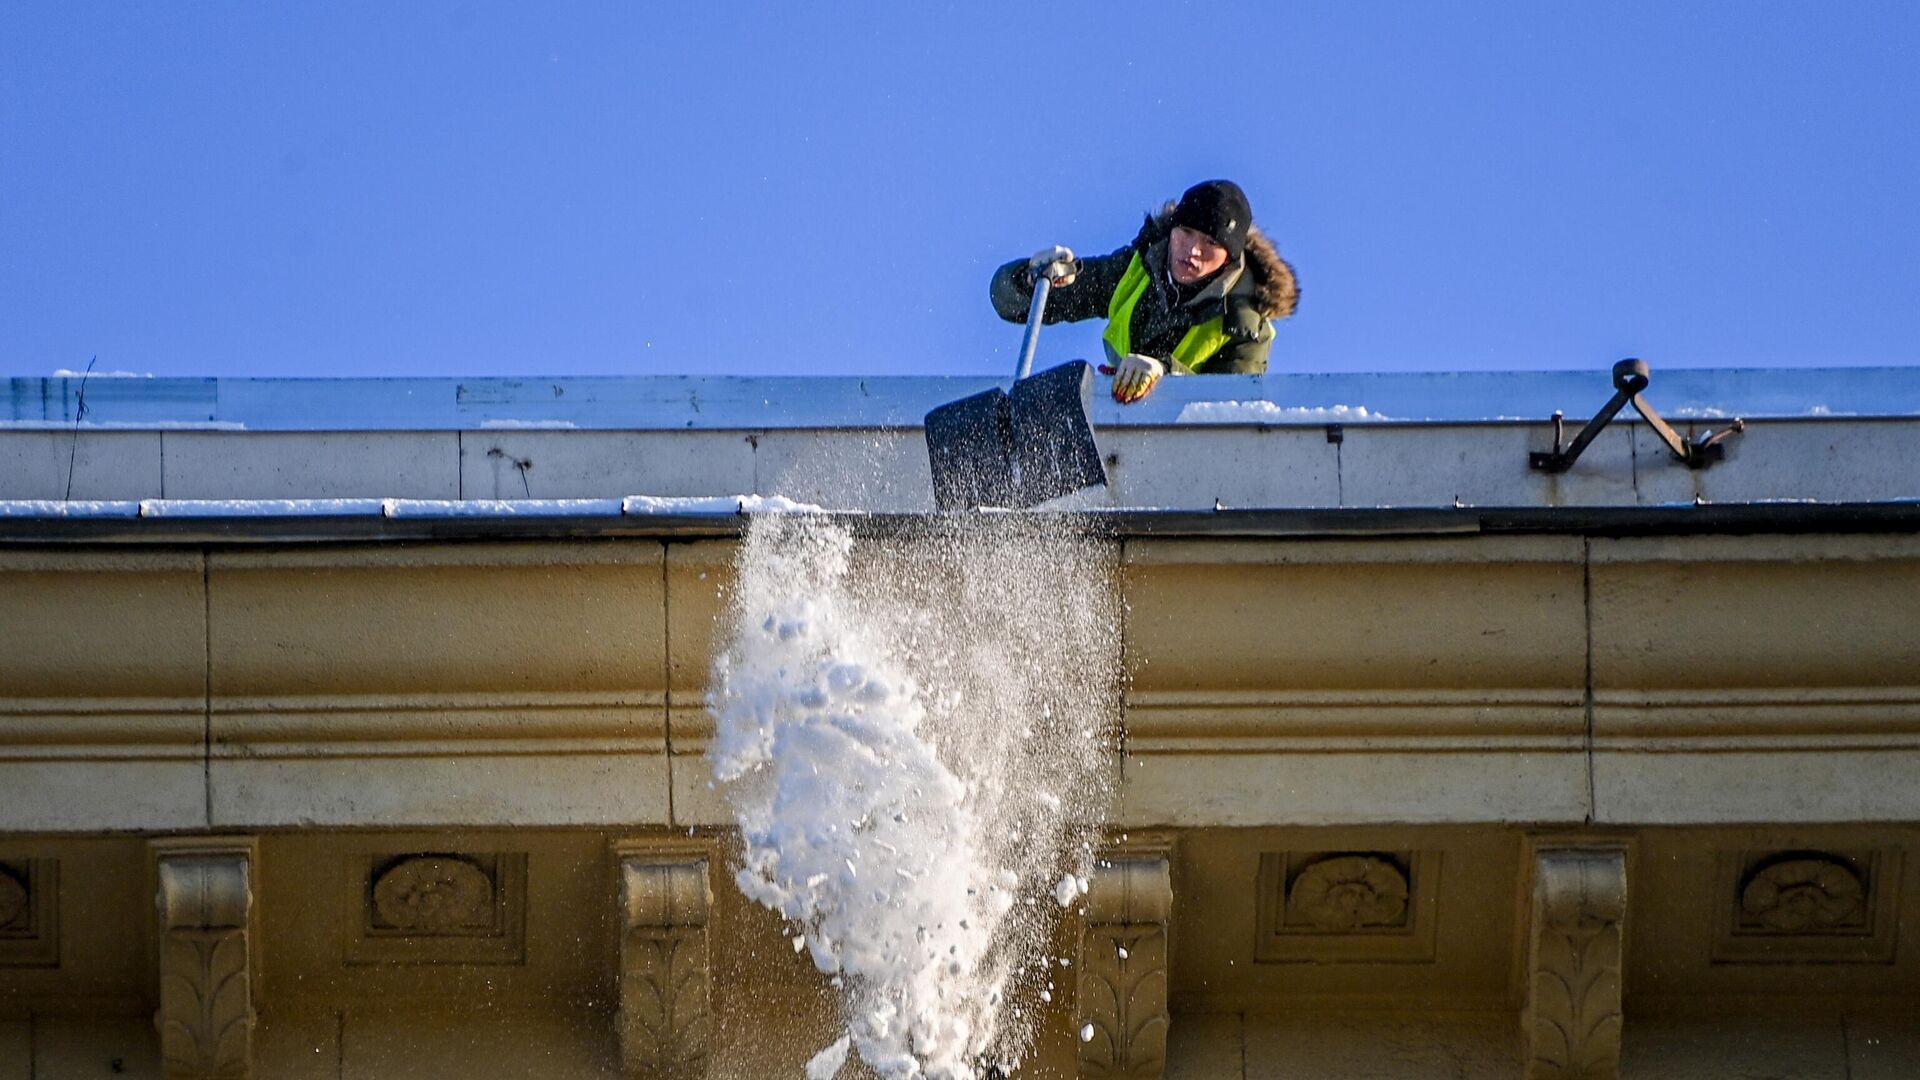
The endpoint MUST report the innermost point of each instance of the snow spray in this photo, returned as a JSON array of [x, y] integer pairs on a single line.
[[916, 734]]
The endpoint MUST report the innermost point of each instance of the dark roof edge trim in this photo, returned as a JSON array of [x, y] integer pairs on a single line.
[[1298, 522]]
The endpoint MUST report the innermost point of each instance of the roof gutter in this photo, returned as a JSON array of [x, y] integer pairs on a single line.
[[529, 523]]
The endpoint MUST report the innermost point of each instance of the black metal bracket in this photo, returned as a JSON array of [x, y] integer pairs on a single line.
[[1630, 377]]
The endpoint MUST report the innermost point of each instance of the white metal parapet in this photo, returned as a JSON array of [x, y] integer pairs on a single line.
[[716, 403], [1278, 441]]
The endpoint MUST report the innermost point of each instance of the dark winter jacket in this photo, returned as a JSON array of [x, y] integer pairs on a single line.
[[1246, 295]]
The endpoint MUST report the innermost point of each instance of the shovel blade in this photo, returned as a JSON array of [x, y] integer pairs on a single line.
[[1053, 445], [970, 447], [1016, 449]]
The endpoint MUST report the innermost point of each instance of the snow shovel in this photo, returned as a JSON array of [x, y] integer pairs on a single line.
[[1017, 448]]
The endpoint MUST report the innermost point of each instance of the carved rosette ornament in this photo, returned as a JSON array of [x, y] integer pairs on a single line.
[[206, 1014], [1348, 892], [1121, 999], [1573, 1007], [13, 899], [433, 894], [1804, 895], [29, 913], [666, 1017]]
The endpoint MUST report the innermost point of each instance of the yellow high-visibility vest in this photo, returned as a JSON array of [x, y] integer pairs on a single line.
[[1194, 349]]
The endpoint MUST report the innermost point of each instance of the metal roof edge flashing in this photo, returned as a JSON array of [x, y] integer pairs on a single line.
[[121, 523]]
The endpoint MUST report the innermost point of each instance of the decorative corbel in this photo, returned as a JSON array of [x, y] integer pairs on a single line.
[[205, 898], [666, 1017], [1574, 964], [1121, 999]]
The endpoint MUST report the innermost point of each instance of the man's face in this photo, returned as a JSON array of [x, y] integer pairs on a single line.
[[1193, 256]]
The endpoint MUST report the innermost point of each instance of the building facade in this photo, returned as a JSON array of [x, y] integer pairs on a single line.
[[355, 729]]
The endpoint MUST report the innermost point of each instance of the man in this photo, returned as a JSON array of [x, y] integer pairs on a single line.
[[1195, 293]]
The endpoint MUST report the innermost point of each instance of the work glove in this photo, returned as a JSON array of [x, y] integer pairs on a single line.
[[1135, 377], [1056, 263]]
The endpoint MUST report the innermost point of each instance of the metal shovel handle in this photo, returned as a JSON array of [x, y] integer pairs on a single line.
[[1042, 285]]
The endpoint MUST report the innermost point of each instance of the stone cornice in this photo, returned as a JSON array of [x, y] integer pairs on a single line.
[[130, 727], [1801, 549], [1757, 717], [112, 560], [1256, 551], [617, 552], [478, 717], [1305, 720], [1292, 678]]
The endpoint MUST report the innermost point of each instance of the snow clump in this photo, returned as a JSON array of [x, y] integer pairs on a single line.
[[914, 735]]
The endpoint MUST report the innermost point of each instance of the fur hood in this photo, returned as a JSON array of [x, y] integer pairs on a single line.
[[1268, 287]]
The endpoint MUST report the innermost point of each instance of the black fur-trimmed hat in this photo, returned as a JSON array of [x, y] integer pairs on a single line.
[[1219, 209]]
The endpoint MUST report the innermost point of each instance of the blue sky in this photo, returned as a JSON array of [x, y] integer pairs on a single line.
[[437, 188]]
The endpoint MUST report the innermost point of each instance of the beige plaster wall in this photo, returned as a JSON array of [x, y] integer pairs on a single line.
[[102, 690], [1347, 681], [1756, 679], [1258, 1046]]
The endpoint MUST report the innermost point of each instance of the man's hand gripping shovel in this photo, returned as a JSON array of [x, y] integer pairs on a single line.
[[1022, 447]]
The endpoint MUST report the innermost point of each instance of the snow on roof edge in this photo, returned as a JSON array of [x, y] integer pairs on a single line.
[[673, 403]]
